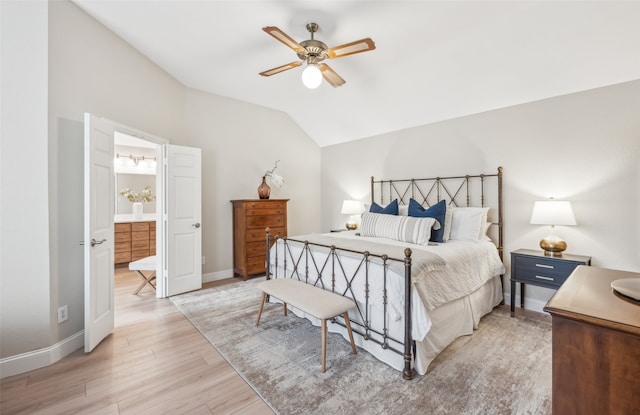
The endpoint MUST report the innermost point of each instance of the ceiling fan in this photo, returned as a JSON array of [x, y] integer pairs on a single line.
[[313, 52]]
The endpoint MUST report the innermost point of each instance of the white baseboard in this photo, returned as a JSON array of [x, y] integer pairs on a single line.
[[14, 365], [529, 303], [217, 276]]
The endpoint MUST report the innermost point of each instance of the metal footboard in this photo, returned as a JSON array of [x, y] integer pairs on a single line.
[[315, 261]]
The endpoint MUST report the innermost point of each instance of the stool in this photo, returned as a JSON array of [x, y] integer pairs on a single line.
[[145, 264]]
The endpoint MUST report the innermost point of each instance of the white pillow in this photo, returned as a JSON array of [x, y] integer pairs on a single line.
[[485, 234], [403, 210], [399, 228], [448, 215], [467, 223]]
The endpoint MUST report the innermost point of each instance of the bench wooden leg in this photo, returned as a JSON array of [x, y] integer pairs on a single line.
[[285, 307], [348, 324], [324, 345], [264, 297]]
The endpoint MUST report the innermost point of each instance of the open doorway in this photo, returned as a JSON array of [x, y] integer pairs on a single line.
[[135, 220], [178, 225]]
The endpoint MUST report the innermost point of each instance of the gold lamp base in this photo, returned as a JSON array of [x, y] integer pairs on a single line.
[[351, 226], [553, 245]]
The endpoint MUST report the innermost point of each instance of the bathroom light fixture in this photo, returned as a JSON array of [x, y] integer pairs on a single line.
[[131, 159], [552, 212], [353, 208]]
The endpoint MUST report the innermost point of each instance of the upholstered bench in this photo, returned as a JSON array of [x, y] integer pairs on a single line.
[[312, 300], [145, 264]]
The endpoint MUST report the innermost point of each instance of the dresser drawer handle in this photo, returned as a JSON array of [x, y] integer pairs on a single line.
[[544, 266], [544, 278]]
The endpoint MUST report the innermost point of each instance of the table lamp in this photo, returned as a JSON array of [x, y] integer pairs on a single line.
[[353, 208], [552, 212]]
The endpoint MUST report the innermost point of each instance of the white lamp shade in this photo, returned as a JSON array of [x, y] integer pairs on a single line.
[[552, 212], [351, 207], [311, 76]]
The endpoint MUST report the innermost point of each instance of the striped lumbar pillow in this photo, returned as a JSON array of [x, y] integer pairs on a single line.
[[399, 228]]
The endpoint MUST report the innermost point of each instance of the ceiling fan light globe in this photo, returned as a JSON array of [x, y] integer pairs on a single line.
[[311, 76]]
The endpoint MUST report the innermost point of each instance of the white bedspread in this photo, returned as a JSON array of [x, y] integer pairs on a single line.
[[457, 285], [440, 273]]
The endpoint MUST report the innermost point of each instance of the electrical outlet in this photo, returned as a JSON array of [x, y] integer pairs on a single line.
[[63, 313], [203, 260]]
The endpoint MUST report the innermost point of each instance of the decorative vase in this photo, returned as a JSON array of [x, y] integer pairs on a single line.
[[264, 190], [137, 210]]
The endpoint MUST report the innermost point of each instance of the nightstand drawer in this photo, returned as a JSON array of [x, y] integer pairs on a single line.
[[543, 270]]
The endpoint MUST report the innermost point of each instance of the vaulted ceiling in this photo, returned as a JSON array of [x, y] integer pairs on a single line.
[[434, 60]]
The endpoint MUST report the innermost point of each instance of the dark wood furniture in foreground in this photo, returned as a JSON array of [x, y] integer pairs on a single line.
[[535, 268], [250, 219], [596, 345]]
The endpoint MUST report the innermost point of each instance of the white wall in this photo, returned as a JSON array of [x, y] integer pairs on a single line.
[[24, 217], [92, 70], [239, 143], [584, 147]]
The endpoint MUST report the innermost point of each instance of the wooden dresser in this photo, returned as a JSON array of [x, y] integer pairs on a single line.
[[596, 345], [250, 219], [134, 240]]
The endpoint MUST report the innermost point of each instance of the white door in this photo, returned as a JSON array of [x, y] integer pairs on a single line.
[[98, 230], [182, 213]]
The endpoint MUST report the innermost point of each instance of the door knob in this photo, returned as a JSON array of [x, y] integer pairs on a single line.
[[94, 242], [196, 225]]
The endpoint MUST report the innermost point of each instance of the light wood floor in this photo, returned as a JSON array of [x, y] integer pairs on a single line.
[[154, 362]]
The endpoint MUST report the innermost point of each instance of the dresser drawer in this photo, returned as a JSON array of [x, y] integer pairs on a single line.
[[122, 227], [271, 221], [122, 237], [139, 254], [140, 236], [249, 206], [120, 257], [122, 247], [254, 235], [256, 264], [256, 249], [139, 226], [264, 212], [140, 244]]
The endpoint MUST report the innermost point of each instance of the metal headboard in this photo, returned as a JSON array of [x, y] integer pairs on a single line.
[[467, 190]]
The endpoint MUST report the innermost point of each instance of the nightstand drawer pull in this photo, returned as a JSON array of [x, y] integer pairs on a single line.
[[544, 278], [544, 266]]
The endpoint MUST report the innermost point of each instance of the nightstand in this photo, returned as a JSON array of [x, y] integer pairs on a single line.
[[339, 230], [535, 268]]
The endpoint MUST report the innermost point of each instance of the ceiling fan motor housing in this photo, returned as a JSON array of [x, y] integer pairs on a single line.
[[314, 51]]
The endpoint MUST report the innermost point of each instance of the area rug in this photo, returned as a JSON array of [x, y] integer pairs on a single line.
[[503, 368]]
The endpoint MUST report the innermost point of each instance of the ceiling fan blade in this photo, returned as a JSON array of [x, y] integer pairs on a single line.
[[330, 75], [347, 49], [283, 37], [281, 68]]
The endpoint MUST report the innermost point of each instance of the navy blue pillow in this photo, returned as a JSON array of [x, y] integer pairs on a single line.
[[390, 209], [436, 211]]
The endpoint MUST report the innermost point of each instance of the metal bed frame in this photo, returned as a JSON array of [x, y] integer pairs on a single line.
[[456, 190]]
